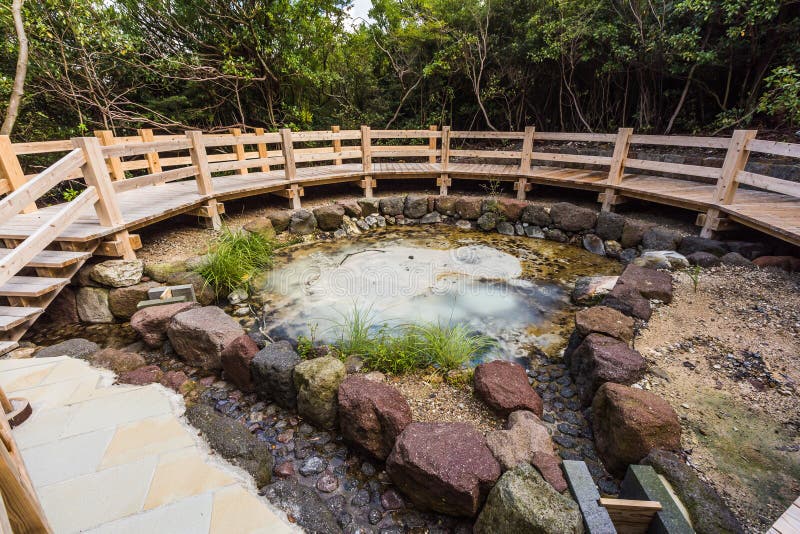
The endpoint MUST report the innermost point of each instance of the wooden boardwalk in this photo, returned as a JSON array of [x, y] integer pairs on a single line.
[[789, 522], [134, 182]]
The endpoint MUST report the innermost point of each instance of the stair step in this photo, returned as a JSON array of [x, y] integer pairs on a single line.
[[7, 346], [31, 286], [11, 316], [52, 259]]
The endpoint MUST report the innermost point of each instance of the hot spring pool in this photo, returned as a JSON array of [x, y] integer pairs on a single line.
[[513, 289]]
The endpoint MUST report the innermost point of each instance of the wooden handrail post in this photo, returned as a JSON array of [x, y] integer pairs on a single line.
[[153, 162], [735, 161], [11, 170], [95, 173], [238, 149], [432, 144], [106, 138], [617, 167], [205, 187], [525, 162], [262, 150], [290, 167], [366, 160], [444, 178], [337, 143]]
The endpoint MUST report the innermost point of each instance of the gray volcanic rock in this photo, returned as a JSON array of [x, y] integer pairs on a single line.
[[392, 206], [329, 217], [610, 225], [523, 502], [151, 323], [74, 348], [572, 218], [273, 373], [303, 505], [302, 222], [416, 206]]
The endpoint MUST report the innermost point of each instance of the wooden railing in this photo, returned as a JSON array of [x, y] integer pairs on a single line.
[[149, 160]]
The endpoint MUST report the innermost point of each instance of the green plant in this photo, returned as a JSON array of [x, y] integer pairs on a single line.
[[69, 194], [234, 257], [694, 276], [305, 344], [450, 346], [408, 347]]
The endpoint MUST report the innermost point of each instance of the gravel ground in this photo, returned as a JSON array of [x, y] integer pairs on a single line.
[[726, 358]]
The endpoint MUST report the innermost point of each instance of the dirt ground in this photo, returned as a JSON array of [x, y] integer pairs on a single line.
[[727, 357]]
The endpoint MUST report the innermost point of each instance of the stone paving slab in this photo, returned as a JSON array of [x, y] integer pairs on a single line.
[[108, 458]]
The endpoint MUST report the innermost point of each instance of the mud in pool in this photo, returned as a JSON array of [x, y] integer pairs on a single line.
[[513, 289]]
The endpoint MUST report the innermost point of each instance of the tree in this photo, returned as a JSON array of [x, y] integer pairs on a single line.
[[18, 89]]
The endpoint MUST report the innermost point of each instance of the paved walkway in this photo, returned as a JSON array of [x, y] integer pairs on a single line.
[[117, 458]]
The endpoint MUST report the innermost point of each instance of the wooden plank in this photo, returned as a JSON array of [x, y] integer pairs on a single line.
[[106, 138], [491, 154], [42, 147], [25, 252], [11, 170], [330, 156], [616, 166], [486, 135], [139, 149], [581, 137], [366, 160], [571, 158], [263, 153], [52, 259], [200, 162], [238, 149], [287, 147], [791, 150], [157, 178], [337, 143], [31, 286], [768, 183], [630, 517], [673, 168], [681, 140], [44, 182], [432, 144], [735, 161], [96, 174], [404, 134], [153, 162]]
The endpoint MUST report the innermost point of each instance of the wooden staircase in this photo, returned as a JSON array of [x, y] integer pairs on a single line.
[[28, 293]]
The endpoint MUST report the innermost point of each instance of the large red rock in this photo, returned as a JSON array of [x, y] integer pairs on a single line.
[[628, 423], [511, 208], [468, 207], [236, 358], [443, 467], [504, 387], [151, 323], [629, 301], [371, 415], [604, 320], [599, 359], [119, 361], [787, 263], [142, 376], [650, 283], [200, 335], [122, 301]]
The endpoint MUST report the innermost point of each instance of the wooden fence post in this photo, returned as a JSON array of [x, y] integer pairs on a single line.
[[262, 150], [290, 167], [210, 211], [337, 143], [444, 179], [238, 149], [106, 138], [432, 144], [735, 161], [525, 162], [11, 170], [153, 162], [616, 167], [95, 173], [366, 160]]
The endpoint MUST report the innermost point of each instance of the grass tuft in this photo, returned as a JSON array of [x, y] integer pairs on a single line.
[[234, 257], [409, 347]]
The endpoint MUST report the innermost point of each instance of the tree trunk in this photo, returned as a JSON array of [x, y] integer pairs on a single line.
[[22, 67]]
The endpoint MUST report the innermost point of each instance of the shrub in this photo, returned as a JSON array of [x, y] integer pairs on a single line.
[[234, 257], [449, 347]]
